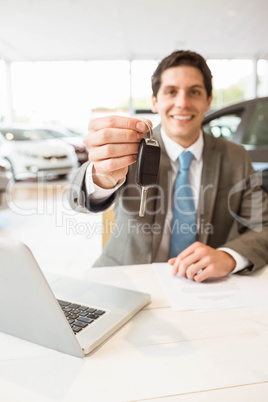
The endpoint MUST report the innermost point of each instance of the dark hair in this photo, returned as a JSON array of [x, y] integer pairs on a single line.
[[182, 58]]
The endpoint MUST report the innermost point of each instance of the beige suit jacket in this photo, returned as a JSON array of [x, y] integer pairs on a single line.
[[233, 208]]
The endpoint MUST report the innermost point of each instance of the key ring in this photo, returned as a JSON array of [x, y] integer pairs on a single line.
[[150, 129], [148, 161]]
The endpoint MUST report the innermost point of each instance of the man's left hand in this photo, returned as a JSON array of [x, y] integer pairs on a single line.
[[199, 262]]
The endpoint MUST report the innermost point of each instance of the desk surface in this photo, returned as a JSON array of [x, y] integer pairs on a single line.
[[159, 354]]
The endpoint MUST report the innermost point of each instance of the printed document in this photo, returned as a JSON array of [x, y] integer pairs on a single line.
[[231, 291]]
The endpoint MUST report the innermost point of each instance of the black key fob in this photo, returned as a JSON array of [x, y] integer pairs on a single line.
[[148, 162], [147, 168]]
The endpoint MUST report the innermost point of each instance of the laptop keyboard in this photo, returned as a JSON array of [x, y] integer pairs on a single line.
[[79, 317]]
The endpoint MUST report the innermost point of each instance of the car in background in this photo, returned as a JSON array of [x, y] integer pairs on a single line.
[[245, 123], [6, 178], [33, 152], [71, 138]]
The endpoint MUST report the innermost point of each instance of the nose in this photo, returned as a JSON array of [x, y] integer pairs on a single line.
[[182, 99]]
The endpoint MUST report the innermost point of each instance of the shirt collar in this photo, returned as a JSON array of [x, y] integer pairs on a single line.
[[174, 149]]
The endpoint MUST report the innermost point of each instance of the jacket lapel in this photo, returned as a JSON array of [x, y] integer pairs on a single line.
[[162, 194], [209, 186]]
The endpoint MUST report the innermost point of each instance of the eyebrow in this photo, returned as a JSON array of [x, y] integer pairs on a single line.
[[190, 87], [197, 86]]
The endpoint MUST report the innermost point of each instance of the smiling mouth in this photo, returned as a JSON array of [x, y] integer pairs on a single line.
[[182, 117]]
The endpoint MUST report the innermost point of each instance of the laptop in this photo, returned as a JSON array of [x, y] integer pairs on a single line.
[[69, 315]]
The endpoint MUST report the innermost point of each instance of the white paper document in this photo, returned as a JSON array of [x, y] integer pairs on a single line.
[[229, 292]]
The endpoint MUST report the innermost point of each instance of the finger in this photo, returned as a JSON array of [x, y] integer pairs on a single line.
[[187, 264], [190, 249], [113, 136], [107, 166], [177, 263], [180, 267], [118, 122], [111, 151], [171, 262], [196, 268], [203, 275]]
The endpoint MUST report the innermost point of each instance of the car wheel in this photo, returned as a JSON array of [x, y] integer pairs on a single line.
[[62, 176]]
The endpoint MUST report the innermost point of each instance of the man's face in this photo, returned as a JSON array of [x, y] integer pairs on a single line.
[[181, 103]]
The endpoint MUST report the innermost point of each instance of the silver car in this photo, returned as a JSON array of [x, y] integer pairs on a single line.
[[33, 152]]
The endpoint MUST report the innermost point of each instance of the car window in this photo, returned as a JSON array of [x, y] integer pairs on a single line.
[[57, 134], [17, 134], [257, 130], [223, 126]]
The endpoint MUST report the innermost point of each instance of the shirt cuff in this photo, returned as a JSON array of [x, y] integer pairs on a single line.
[[241, 261], [96, 193]]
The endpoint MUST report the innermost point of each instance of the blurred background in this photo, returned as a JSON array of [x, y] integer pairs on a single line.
[[63, 62]]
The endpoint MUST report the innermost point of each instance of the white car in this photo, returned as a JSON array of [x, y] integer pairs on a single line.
[[6, 178], [69, 137], [32, 152]]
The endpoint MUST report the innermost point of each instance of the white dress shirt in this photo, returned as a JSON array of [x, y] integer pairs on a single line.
[[98, 194]]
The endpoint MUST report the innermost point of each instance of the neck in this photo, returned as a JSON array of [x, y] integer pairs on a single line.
[[186, 142]]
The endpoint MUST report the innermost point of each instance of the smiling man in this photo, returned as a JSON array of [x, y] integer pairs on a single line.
[[205, 185], [181, 101]]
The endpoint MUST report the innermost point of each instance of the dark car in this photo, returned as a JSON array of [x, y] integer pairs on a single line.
[[245, 123]]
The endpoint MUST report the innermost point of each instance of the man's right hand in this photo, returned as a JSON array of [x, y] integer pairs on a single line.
[[113, 144]]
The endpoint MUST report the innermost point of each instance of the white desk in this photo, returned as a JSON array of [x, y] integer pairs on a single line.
[[174, 356]]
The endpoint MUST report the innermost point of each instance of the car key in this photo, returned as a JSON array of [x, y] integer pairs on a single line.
[[147, 166]]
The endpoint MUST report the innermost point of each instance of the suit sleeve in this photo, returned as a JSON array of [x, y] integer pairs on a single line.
[[78, 197], [252, 219]]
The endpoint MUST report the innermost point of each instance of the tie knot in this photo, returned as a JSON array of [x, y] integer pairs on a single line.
[[185, 160]]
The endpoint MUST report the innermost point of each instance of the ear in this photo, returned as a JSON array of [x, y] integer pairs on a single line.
[[154, 104], [209, 101]]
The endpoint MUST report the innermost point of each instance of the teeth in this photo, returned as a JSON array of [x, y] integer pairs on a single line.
[[182, 117]]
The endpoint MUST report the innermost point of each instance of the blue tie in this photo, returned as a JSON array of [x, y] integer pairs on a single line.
[[183, 232]]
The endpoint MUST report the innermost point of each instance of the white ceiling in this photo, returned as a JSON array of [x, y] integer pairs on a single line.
[[138, 29]]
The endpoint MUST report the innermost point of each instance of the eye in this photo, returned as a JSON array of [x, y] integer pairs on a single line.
[[195, 92], [171, 92]]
